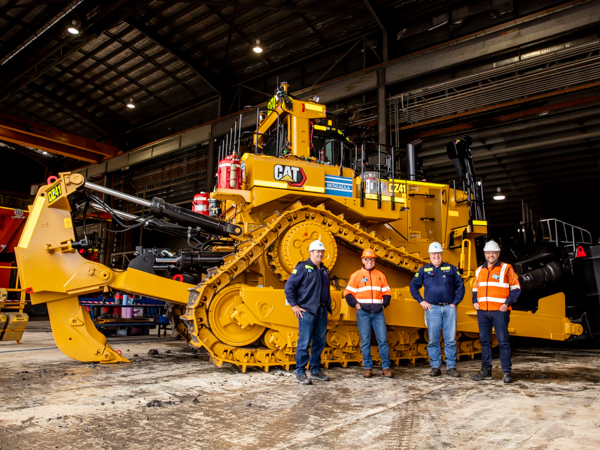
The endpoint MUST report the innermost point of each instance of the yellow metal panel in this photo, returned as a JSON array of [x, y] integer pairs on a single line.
[[223, 194], [314, 189], [142, 283], [385, 198], [300, 136], [423, 183], [32, 222], [273, 184], [312, 107]]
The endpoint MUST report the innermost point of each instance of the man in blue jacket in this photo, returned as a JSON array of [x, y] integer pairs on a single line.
[[443, 291], [307, 291]]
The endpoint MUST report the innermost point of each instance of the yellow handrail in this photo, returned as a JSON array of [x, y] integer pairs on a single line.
[[461, 264]]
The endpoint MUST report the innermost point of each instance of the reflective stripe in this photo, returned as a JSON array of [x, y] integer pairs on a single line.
[[498, 289], [370, 288], [503, 272], [512, 288], [368, 300], [491, 299], [494, 283]]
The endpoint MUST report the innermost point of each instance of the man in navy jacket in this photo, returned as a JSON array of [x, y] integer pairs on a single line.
[[307, 291], [443, 291]]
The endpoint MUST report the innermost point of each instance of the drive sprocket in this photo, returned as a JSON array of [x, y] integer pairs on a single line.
[[292, 247]]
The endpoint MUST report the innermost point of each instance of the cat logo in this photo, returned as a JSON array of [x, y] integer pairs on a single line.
[[294, 176]]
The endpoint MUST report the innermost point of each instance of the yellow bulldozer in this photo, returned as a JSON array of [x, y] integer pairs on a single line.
[[299, 180]]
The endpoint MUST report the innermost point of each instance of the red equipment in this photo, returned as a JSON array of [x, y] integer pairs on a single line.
[[12, 222], [230, 174], [200, 203]]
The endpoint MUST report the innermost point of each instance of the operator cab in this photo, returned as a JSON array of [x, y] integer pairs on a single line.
[[330, 146]]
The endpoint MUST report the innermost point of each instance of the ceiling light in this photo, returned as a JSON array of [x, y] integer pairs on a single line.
[[257, 48], [74, 28], [130, 104], [44, 152], [499, 195]]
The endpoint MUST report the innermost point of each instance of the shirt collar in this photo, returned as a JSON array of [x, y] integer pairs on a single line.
[[308, 261]]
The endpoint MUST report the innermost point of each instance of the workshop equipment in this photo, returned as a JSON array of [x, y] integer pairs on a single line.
[[302, 181], [14, 327]]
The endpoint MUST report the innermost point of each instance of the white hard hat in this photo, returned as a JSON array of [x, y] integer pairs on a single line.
[[316, 245], [491, 246], [435, 247]]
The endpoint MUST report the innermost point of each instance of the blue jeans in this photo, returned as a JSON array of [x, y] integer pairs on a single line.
[[311, 328], [499, 321], [365, 322], [440, 318]]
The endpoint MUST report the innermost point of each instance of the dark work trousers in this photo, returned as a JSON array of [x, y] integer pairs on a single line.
[[312, 330], [499, 321]]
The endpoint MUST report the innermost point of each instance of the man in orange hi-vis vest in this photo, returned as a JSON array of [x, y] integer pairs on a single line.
[[495, 288], [368, 291]]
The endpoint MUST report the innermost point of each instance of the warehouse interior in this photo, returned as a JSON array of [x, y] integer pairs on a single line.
[[140, 97]]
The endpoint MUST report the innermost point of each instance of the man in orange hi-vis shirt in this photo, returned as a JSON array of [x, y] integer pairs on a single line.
[[495, 288], [368, 291]]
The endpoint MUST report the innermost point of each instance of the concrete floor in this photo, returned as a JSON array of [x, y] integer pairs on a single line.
[[50, 401]]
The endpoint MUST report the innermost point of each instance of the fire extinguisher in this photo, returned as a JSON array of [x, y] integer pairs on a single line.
[[229, 173], [200, 203]]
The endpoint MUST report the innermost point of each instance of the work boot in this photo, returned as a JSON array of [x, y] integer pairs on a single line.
[[303, 379], [452, 372], [388, 373], [435, 372], [484, 374], [319, 376], [506, 377], [368, 373]]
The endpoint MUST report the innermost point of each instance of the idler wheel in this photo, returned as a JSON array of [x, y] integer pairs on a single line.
[[230, 325]]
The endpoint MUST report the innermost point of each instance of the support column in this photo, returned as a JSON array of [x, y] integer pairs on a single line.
[[382, 135]]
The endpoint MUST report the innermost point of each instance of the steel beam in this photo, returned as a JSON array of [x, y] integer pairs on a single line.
[[264, 5], [547, 24], [517, 33], [43, 144], [383, 23], [97, 122], [24, 75], [151, 34], [57, 137], [477, 124]]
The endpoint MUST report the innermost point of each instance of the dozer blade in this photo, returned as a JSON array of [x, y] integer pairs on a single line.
[[75, 334]]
